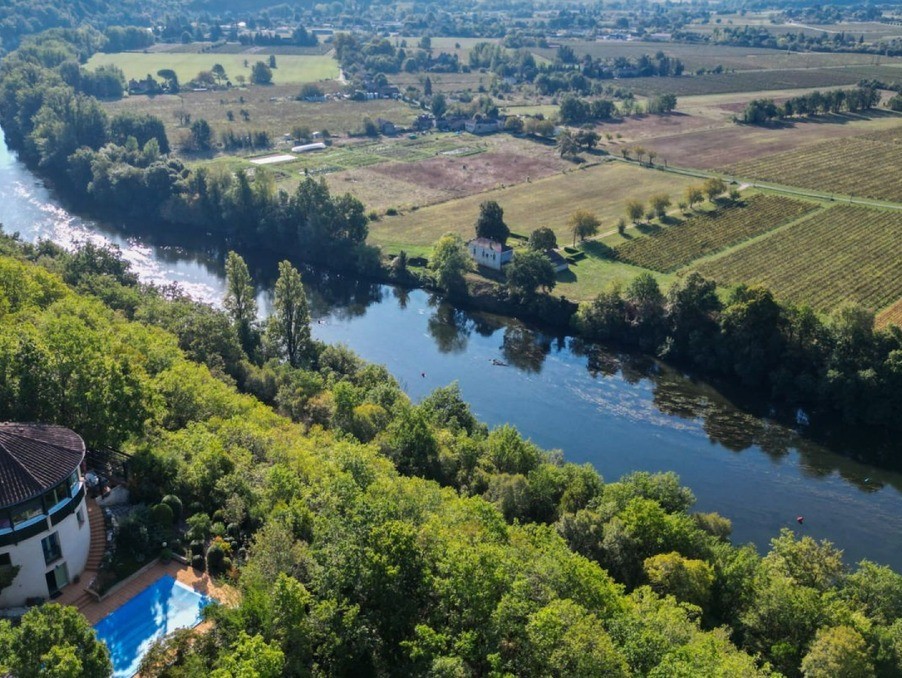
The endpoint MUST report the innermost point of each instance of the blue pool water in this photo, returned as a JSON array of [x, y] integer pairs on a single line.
[[129, 630]]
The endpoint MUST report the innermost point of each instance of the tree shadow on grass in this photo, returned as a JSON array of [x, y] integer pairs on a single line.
[[567, 276], [598, 250], [648, 228], [671, 220]]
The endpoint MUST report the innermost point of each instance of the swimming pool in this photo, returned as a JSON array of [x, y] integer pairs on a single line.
[[129, 630]]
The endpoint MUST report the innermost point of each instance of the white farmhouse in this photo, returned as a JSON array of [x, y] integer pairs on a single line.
[[44, 529], [489, 253]]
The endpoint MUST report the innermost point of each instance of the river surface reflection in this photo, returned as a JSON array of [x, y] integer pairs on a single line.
[[619, 412]]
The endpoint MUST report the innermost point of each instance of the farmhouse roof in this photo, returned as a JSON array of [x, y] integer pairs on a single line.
[[35, 458], [488, 244], [556, 258]]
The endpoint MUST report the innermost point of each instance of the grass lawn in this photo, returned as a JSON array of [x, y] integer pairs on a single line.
[[291, 68], [589, 276], [603, 189]]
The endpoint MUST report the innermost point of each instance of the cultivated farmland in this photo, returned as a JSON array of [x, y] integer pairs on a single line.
[[675, 246], [291, 68], [752, 81], [711, 56], [603, 189], [853, 166], [891, 315], [843, 253]]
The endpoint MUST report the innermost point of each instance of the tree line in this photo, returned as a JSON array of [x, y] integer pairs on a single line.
[[841, 364], [119, 167], [761, 111]]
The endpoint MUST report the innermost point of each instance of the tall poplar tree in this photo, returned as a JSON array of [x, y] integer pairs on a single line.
[[289, 325], [240, 300]]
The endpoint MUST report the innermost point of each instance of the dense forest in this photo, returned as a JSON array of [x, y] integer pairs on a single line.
[[372, 536]]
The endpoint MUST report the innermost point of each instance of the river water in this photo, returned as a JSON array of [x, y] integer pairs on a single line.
[[618, 412]]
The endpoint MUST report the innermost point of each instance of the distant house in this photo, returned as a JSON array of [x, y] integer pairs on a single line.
[[423, 123], [454, 123], [558, 262], [489, 253], [481, 125]]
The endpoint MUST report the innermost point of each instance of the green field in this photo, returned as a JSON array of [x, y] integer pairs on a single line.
[[273, 109], [843, 253], [603, 189], [590, 276], [366, 153], [673, 247], [859, 166], [291, 68]]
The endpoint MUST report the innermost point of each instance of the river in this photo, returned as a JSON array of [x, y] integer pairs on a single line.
[[618, 412]]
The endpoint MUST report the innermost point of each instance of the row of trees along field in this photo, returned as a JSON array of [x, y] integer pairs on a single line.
[[760, 111], [119, 167], [371, 536]]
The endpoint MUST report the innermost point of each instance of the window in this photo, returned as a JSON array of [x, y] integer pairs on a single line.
[[27, 511], [73, 482], [51, 546], [5, 560], [58, 494], [81, 517]]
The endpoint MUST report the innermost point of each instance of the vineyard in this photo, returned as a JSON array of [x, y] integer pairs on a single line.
[[705, 234], [891, 315], [757, 81], [859, 166], [844, 253]]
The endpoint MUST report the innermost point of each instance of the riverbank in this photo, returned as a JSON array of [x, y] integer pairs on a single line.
[[619, 412]]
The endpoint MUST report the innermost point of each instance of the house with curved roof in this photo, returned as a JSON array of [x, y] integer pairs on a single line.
[[44, 532]]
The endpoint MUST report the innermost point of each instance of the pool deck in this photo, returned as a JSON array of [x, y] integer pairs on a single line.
[[94, 611]]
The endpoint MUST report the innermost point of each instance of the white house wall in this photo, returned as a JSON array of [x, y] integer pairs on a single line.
[[31, 581]]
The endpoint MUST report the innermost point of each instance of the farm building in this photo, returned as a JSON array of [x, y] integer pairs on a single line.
[[306, 148], [557, 261], [481, 125], [44, 532], [454, 123], [489, 253]]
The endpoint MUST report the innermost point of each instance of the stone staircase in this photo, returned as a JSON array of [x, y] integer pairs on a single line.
[[80, 597], [98, 536]]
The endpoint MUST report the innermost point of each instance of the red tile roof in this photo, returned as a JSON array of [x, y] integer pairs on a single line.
[[35, 458]]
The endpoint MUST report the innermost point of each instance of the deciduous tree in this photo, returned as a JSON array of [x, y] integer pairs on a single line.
[[450, 261], [490, 223], [583, 224], [288, 330]]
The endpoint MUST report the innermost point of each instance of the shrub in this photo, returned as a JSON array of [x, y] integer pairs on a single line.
[[198, 527], [162, 515], [173, 502], [216, 556], [198, 562]]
